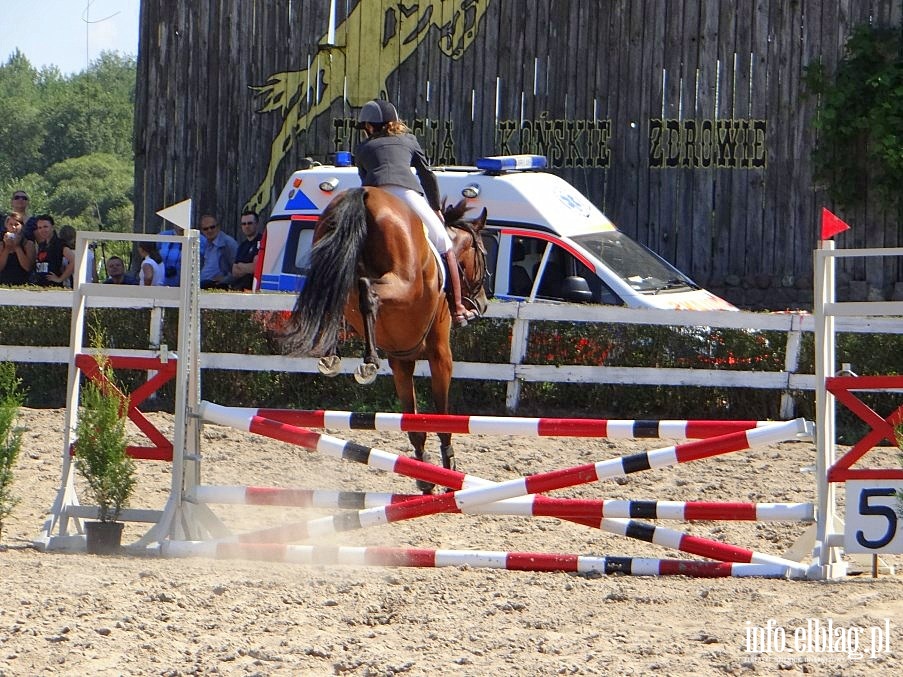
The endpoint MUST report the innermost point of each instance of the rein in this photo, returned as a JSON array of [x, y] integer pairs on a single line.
[[472, 286]]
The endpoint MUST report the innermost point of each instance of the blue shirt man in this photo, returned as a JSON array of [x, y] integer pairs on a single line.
[[171, 253], [218, 252]]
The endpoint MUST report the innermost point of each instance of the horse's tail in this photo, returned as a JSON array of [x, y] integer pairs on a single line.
[[318, 313]]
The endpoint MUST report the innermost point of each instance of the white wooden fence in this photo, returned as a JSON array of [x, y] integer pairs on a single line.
[[514, 372]]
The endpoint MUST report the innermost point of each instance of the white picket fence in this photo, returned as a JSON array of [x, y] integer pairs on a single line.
[[514, 372]]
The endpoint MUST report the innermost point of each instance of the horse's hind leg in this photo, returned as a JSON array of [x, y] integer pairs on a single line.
[[440, 382], [403, 376], [368, 302]]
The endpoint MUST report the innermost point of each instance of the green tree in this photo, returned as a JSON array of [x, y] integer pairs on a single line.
[[101, 455], [89, 190], [860, 118], [21, 127], [68, 141], [94, 113]]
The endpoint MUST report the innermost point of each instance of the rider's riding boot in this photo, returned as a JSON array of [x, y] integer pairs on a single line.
[[460, 314]]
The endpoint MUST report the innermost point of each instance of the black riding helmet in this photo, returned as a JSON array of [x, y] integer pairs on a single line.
[[377, 112]]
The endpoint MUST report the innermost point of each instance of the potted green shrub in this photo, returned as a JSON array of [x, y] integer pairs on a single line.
[[11, 399], [101, 459]]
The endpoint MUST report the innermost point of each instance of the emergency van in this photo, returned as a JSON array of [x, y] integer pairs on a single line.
[[544, 239]]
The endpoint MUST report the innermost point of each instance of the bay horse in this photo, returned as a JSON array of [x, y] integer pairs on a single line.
[[371, 264]]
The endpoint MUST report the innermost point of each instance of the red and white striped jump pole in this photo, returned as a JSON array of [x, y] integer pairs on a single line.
[[295, 498], [334, 447], [682, 511], [516, 561], [535, 506], [503, 425]]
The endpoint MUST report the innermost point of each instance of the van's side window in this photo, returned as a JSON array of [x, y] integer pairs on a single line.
[[601, 292], [557, 281], [520, 281], [491, 243], [552, 274], [302, 253]]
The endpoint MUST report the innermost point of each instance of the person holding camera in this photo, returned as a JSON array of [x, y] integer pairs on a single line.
[[19, 203], [17, 253]]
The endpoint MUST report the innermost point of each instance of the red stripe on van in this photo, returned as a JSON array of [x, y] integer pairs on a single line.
[[518, 232]]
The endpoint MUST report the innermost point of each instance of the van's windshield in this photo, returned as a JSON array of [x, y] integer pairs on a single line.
[[644, 270]]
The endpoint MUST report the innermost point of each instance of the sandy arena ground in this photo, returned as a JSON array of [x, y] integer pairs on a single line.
[[77, 614]]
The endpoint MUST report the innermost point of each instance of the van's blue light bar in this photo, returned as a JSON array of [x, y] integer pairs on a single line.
[[498, 163]]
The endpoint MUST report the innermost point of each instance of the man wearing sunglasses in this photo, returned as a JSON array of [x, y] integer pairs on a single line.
[[20, 203], [218, 252]]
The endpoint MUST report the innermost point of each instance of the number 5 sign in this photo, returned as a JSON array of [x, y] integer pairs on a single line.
[[873, 523]]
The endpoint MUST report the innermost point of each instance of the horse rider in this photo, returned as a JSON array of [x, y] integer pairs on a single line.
[[385, 159]]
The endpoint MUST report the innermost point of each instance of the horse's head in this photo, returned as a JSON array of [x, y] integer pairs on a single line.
[[471, 253], [459, 32]]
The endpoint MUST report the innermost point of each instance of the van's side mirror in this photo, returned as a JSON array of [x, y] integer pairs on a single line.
[[576, 289]]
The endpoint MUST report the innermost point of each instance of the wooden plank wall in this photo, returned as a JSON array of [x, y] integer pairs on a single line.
[[615, 70]]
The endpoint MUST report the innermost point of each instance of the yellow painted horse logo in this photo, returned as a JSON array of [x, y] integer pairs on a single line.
[[373, 41]]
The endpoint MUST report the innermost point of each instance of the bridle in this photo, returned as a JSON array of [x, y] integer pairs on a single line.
[[471, 285]]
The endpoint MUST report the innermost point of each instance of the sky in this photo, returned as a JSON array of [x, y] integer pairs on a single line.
[[55, 32]]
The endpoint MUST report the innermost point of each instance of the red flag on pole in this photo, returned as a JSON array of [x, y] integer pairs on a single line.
[[831, 225]]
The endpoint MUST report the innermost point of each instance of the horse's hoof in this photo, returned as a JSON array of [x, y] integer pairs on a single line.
[[425, 487], [365, 374], [448, 457], [329, 365], [425, 457]]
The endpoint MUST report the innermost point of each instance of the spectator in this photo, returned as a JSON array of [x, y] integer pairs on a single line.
[[54, 260], [16, 251], [19, 203], [218, 252], [67, 235], [152, 272], [246, 259], [117, 274], [171, 254]]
